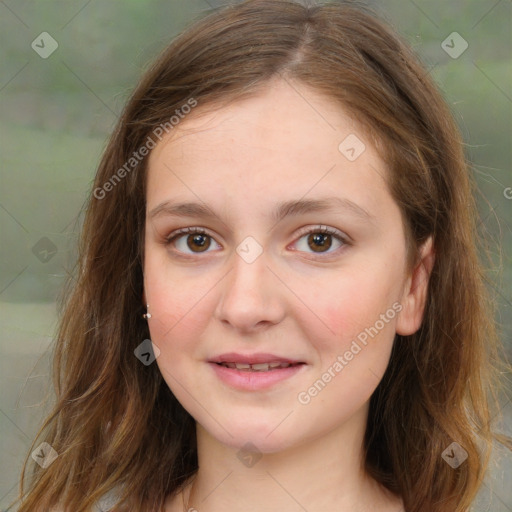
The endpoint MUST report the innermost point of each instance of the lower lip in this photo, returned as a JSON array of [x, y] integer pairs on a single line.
[[254, 380]]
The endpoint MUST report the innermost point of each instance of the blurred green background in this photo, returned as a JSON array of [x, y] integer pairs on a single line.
[[57, 112]]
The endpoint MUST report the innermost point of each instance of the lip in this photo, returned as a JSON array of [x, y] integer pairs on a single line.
[[234, 357], [254, 380]]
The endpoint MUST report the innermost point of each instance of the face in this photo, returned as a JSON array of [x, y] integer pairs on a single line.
[[300, 260]]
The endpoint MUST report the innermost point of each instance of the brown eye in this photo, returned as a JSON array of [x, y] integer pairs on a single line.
[[197, 240], [190, 241], [200, 240], [319, 242]]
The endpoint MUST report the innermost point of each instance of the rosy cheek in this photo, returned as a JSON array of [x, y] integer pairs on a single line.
[[335, 321], [344, 317]]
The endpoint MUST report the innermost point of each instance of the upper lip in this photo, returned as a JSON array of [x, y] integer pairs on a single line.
[[233, 357]]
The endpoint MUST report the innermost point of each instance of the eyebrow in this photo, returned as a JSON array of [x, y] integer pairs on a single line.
[[280, 211]]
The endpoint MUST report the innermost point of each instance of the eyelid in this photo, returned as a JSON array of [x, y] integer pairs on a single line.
[[188, 231]]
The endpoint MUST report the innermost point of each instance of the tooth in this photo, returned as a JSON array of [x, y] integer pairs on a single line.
[[260, 366]]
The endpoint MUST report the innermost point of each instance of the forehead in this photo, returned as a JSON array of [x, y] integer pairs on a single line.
[[285, 141], [280, 107]]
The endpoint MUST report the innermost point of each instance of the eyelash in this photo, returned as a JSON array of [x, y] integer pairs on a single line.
[[306, 231]]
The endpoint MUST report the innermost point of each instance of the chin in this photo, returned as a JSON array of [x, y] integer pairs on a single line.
[[265, 437]]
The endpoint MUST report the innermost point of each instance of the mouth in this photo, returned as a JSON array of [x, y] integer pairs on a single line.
[[258, 367], [255, 372]]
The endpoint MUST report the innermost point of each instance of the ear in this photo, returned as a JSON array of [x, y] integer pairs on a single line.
[[415, 291], [144, 298]]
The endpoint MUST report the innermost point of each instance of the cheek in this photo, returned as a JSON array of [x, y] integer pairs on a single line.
[[356, 303], [361, 319], [353, 362], [176, 305]]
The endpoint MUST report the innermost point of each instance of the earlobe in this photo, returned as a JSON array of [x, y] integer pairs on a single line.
[[415, 291]]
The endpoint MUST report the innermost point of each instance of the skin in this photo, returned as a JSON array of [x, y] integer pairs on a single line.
[[292, 301]]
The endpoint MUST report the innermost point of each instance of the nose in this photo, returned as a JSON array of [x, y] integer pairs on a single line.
[[252, 296]]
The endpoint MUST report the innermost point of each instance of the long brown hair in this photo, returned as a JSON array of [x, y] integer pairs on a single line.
[[115, 421]]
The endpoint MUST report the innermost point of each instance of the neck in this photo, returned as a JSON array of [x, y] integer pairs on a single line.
[[325, 473]]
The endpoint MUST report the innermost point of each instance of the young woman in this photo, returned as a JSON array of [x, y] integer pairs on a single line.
[[279, 304]]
